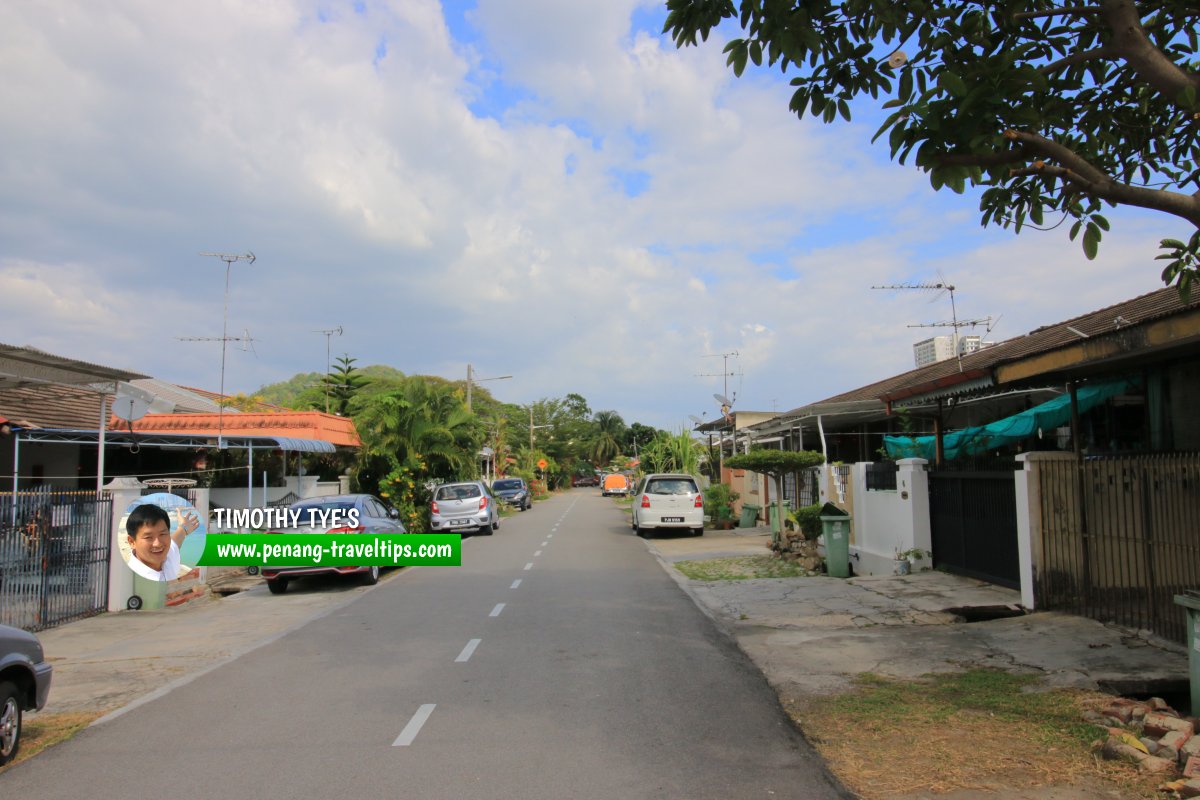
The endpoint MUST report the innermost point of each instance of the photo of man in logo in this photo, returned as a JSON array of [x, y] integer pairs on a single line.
[[154, 548]]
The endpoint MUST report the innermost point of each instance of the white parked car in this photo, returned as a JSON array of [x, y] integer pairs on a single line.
[[667, 501], [462, 506]]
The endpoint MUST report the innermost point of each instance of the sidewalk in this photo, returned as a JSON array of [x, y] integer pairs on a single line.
[[106, 662], [811, 636]]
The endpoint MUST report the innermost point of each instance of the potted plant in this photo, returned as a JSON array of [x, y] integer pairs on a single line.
[[904, 559]]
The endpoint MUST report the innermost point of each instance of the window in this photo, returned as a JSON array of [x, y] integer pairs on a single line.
[[671, 486], [458, 492]]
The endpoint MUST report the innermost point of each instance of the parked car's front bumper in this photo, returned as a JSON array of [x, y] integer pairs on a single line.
[[42, 674]]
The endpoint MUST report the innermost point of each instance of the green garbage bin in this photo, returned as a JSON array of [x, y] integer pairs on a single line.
[[835, 527], [1190, 600], [147, 594], [749, 515], [773, 515]]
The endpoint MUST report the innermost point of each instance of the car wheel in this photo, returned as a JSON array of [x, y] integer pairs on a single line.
[[277, 586], [485, 530], [10, 722], [371, 576], [697, 531], [134, 602], [643, 532]]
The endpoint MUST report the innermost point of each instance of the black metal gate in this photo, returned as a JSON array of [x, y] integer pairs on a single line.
[[1121, 538], [54, 556], [973, 520]]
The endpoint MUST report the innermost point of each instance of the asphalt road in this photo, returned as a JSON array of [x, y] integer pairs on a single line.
[[559, 661]]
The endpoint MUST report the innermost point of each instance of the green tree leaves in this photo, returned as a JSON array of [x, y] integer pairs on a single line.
[[1053, 109]]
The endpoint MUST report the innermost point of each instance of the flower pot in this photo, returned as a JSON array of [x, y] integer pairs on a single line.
[[902, 567]]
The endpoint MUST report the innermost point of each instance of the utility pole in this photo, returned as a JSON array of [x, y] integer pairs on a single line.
[[471, 379], [228, 258]]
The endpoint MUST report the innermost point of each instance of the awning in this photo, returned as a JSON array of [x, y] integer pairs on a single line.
[[1010, 430], [176, 440]]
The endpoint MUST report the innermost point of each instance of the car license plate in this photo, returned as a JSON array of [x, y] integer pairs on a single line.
[[672, 519], [458, 522]]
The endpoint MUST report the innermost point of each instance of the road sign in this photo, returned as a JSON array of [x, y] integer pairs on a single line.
[[542, 463]]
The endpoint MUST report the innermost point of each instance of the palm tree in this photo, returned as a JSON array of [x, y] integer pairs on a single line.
[[423, 426], [610, 432]]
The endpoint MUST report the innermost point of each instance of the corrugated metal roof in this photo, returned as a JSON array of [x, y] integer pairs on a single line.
[[944, 374], [28, 366], [49, 406]]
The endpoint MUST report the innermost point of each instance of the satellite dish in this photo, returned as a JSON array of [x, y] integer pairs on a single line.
[[131, 403], [722, 399], [695, 419]]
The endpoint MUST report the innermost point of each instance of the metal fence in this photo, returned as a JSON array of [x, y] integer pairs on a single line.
[[1129, 547], [881, 476], [54, 555], [802, 488]]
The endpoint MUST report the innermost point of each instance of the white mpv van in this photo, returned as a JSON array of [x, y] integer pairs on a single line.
[[672, 502]]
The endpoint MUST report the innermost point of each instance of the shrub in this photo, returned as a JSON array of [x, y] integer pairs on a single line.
[[718, 501], [808, 520]]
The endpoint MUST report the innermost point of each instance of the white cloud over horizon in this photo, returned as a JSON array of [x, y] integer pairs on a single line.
[[620, 210]]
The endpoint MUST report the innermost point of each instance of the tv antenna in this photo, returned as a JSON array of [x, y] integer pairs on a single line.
[[229, 259], [247, 343], [942, 287], [329, 332], [724, 373]]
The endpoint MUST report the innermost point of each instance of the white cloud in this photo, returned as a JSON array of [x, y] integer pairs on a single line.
[[343, 149]]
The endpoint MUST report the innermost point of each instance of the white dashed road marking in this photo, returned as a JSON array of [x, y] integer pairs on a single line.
[[537, 553], [529, 565], [414, 725], [496, 611], [516, 583], [465, 655]]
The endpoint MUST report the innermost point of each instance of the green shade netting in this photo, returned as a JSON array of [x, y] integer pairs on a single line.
[[984, 438]]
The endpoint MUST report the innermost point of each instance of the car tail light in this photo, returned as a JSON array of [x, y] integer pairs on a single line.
[[434, 507], [482, 503], [344, 529], [645, 501], [699, 501]]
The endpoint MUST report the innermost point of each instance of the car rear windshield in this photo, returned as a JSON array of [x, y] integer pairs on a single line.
[[501, 486], [338, 505], [671, 486], [465, 492]]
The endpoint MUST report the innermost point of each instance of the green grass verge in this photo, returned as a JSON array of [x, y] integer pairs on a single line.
[[880, 702], [740, 568]]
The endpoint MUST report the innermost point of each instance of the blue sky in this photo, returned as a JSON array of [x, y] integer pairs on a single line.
[[543, 189]]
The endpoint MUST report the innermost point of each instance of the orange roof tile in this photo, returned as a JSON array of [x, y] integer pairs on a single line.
[[339, 431]]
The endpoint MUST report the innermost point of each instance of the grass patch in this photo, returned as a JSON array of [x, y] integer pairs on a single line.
[[46, 730], [976, 730], [740, 568]]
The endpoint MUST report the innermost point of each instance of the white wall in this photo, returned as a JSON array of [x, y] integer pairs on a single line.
[[304, 487], [889, 521]]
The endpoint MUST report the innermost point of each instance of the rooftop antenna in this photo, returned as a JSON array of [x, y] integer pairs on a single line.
[[724, 373], [229, 259], [247, 342], [940, 286], [329, 332]]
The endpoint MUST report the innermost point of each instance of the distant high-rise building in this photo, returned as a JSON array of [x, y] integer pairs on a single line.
[[940, 348]]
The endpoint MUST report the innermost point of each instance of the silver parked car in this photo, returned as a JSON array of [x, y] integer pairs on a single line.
[[668, 501], [24, 685], [462, 506]]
